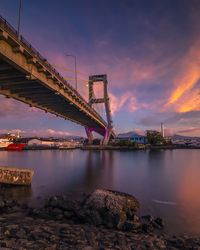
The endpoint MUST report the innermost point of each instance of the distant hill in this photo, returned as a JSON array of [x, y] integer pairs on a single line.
[[128, 134], [182, 137], [175, 137]]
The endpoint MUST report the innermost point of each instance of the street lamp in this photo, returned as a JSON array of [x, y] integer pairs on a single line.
[[19, 18], [75, 70]]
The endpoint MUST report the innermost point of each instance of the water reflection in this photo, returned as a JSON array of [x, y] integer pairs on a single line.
[[188, 191], [16, 192], [171, 176]]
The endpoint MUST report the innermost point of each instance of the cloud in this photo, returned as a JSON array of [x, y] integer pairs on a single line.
[[11, 107], [40, 132], [12, 131], [190, 102], [151, 59], [126, 100], [52, 132], [186, 80]]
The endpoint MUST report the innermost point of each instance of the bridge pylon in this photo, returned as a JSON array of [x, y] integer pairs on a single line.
[[105, 99]]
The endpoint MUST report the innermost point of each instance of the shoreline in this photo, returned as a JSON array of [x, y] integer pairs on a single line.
[[108, 147], [57, 225], [153, 147]]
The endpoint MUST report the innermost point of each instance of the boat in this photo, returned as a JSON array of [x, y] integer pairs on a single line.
[[4, 142], [16, 176], [16, 146]]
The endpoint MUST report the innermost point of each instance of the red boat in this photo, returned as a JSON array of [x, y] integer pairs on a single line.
[[16, 146]]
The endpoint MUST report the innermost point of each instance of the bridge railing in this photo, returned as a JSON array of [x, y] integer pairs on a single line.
[[12, 31], [9, 28]]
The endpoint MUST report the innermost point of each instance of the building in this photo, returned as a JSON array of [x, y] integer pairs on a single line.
[[162, 130], [40, 143], [132, 137]]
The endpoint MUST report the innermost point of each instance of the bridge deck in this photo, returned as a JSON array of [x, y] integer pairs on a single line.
[[26, 76]]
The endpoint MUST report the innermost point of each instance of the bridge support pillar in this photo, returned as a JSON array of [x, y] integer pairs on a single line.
[[93, 79], [107, 136], [89, 135]]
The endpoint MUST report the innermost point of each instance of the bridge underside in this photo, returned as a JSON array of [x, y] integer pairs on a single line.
[[27, 76], [15, 83]]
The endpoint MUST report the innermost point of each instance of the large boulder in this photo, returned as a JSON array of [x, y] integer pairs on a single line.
[[110, 208]]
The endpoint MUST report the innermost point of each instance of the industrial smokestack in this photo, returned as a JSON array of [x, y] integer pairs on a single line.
[[162, 130]]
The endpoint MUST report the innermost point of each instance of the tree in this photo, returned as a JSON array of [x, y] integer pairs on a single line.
[[154, 137], [96, 141]]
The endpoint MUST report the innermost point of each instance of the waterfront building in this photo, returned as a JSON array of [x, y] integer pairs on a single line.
[[132, 137], [35, 142]]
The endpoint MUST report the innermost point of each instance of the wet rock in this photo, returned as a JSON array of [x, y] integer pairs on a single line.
[[109, 208], [149, 223], [11, 230], [66, 203], [56, 212], [147, 218], [68, 214], [147, 227], [19, 231], [102, 207], [159, 223], [2, 204]]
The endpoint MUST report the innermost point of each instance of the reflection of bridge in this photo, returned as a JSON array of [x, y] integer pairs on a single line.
[[26, 76]]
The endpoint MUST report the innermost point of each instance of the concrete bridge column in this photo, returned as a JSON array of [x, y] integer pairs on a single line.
[[106, 139], [89, 135], [93, 79]]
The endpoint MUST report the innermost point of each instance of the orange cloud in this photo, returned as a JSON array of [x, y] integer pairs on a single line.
[[187, 79], [191, 102]]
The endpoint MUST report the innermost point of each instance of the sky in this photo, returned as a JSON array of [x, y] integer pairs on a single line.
[[149, 49]]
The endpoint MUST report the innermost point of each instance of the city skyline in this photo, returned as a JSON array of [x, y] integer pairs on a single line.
[[148, 49]]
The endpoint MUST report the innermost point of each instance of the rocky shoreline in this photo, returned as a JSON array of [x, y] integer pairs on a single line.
[[103, 219]]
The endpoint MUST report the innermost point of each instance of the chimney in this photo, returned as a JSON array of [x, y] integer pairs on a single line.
[[162, 130]]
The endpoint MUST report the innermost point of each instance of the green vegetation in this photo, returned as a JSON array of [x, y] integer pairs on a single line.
[[155, 138], [124, 143]]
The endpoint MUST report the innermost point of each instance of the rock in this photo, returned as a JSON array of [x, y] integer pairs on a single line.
[[21, 234], [89, 248], [109, 208], [147, 227], [159, 222], [2, 204], [149, 223], [66, 203], [102, 207], [147, 218], [56, 212], [68, 214], [11, 231]]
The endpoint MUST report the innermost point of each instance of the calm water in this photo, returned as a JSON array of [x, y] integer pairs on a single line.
[[166, 182]]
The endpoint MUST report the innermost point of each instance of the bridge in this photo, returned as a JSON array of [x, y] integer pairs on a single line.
[[28, 77]]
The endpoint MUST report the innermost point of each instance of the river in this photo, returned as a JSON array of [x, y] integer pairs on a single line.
[[166, 182]]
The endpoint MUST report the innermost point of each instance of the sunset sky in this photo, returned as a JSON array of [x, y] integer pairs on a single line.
[[149, 49]]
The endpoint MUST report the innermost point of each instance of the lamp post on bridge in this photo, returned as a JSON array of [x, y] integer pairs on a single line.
[[75, 69], [19, 18]]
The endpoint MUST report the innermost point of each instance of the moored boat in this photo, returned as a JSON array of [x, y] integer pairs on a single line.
[[16, 176], [4, 143], [16, 146]]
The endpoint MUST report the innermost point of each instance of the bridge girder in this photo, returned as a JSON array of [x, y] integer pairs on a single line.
[[20, 63]]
